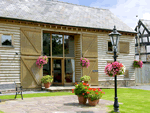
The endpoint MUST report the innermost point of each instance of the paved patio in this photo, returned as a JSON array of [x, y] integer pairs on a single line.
[[53, 104]]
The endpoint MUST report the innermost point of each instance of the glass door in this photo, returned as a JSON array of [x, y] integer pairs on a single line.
[[57, 71]]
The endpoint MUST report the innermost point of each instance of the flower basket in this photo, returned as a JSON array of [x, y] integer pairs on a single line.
[[137, 64], [84, 62], [41, 61], [114, 68]]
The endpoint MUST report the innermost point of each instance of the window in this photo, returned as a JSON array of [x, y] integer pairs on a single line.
[[6, 40], [124, 47], [110, 46]]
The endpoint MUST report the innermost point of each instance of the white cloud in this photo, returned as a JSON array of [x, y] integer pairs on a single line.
[[126, 10]]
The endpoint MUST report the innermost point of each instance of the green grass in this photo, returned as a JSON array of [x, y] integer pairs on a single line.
[[134, 100]]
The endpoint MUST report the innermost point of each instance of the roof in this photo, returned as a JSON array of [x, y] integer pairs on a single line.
[[63, 13], [146, 23]]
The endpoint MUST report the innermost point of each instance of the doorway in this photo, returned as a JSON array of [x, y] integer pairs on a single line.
[[57, 71]]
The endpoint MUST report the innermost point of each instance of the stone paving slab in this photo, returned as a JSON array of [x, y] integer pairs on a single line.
[[53, 104]]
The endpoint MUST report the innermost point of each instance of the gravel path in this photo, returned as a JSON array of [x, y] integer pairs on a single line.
[[53, 104]]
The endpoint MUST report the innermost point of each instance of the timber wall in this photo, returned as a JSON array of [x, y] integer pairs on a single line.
[[10, 62]]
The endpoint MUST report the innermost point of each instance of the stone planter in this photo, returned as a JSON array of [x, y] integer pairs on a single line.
[[47, 85], [82, 100], [93, 103]]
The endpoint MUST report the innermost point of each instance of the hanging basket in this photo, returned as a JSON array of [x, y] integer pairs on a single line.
[[84, 62]]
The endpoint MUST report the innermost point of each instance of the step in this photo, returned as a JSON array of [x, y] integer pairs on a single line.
[[69, 88]]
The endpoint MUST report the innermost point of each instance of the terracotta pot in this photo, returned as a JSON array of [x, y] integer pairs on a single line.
[[86, 82], [82, 100], [47, 85], [93, 103]]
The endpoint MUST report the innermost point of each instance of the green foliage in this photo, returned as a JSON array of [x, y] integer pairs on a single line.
[[85, 78], [47, 78], [81, 89], [94, 94]]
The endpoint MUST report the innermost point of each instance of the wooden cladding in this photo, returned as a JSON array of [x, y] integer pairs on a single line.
[[124, 47], [30, 41], [92, 71], [89, 46], [30, 74]]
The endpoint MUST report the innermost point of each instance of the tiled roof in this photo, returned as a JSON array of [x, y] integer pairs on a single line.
[[146, 23], [57, 12]]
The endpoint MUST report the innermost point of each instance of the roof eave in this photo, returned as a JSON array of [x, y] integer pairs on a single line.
[[66, 25]]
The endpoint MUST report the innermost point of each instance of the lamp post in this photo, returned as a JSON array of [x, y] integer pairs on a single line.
[[114, 37]]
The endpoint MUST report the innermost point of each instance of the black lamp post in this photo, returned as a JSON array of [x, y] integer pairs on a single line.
[[114, 37]]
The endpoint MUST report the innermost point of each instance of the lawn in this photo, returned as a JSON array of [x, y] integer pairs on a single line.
[[134, 100]]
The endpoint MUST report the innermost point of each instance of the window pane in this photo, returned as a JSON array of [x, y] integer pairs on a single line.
[[140, 40], [144, 39], [69, 45], [148, 49], [6, 40], [143, 50], [47, 68], [109, 46], [143, 57], [136, 57], [57, 45], [69, 70], [46, 44]]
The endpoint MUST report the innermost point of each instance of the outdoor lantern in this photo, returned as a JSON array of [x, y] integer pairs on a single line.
[[114, 37]]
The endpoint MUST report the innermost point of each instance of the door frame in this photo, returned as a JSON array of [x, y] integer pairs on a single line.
[[62, 71]]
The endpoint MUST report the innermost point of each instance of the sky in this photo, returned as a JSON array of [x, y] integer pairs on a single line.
[[125, 10]]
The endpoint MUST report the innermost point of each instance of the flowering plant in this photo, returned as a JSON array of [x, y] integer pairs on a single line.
[[85, 78], [81, 89], [138, 64], [41, 61], [47, 79], [84, 62], [114, 68], [95, 93]]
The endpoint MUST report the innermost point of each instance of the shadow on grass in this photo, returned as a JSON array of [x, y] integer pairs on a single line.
[[115, 112], [3, 100]]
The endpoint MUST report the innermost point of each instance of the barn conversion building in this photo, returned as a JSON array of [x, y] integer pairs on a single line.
[[64, 32]]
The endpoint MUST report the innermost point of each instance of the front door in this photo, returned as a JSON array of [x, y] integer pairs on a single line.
[[57, 71]]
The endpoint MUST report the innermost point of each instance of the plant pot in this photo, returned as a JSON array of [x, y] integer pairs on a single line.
[[86, 82], [82, 100], [47, 85], [93, 103]]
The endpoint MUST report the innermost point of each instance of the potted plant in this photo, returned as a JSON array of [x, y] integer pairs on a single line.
[[94, 95], [114, 68], [85, 78], [81, 91], [84, 62], [137, 64], [47, 80], [41, 61]]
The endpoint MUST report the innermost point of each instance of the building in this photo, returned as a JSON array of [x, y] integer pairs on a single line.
[[64, 32], [142, 75]]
